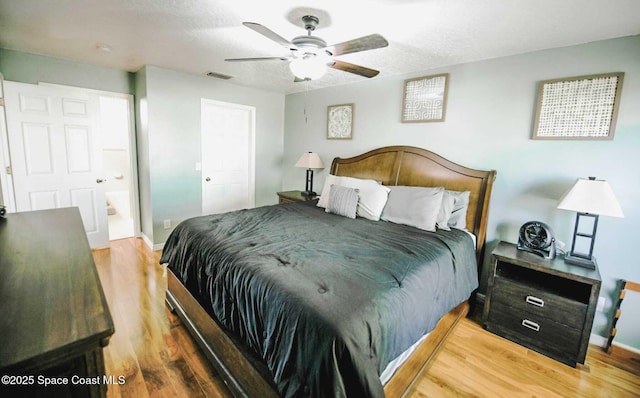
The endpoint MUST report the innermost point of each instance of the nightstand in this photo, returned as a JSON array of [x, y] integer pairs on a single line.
[[293, 196], [545, 305]]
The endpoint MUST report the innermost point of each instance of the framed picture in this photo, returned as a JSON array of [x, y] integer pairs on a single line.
[[425, 99], [340, 122], [578, 108]]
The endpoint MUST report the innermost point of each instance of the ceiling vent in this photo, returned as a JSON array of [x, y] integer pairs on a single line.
[[218, 75]]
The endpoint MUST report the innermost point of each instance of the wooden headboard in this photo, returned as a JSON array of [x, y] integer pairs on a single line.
[[406, 165]]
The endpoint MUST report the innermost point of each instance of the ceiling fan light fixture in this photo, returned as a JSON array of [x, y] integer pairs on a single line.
[[310, 56], [311, 67]]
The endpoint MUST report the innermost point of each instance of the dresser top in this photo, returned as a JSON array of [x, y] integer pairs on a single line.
[[51, 299]]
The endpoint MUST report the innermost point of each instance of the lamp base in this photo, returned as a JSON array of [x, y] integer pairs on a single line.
[[308, 193], [581, 261]]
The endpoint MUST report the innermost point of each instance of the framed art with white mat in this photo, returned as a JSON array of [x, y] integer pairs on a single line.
[[425, 99], [340, 122], [578, 108]]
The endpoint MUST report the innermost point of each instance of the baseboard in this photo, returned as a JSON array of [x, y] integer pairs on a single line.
[[602, 342], [149, 243], [598, 340]]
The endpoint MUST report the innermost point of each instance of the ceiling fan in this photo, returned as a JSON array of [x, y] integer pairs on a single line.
[[310, 55]]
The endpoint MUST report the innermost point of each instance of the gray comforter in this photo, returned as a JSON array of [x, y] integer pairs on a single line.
[[324, 301]]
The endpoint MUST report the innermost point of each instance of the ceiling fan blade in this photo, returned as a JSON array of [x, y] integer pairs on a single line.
[[258, 59], [356, 69], [360, 44], [269, 34]]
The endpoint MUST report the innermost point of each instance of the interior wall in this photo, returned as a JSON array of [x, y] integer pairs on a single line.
[[167, 107], [173, 115], [490, 111], [32, 68]]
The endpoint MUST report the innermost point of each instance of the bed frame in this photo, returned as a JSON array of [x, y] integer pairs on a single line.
[[394, 165]]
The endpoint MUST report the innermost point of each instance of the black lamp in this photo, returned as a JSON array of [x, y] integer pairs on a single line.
[[590, 198], [311, 161]]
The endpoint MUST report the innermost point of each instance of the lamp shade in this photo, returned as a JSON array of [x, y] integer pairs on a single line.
[[591, 196], [310, 160]]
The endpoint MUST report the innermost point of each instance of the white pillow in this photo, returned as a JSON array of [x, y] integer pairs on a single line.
[[372, 196], [446, 209], [414, 206], [329, 180], [458, 217]]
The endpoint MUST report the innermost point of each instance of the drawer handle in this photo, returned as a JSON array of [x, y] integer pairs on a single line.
[[535, 301], [531, 325]]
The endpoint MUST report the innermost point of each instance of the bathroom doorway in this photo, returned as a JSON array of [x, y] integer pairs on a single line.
[[116, 127]]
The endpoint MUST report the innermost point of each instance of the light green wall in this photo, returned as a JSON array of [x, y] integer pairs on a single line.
[[142, 147], [173, 101], [168, 132], [488, 125], [31, 68]]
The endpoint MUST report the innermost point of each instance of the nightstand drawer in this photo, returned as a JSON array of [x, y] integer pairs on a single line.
[[539, 303], [538, 333]]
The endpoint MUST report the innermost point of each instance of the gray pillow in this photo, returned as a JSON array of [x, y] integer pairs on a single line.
[[458, 217], [414, 206], [343, 201]]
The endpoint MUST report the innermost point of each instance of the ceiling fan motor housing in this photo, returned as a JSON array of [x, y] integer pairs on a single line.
[[310, 22]]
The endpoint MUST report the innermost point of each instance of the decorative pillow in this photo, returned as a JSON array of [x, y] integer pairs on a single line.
[[414, 206], [372, 195], [343, 201], [324, 195], [458, 217], [444, 214]]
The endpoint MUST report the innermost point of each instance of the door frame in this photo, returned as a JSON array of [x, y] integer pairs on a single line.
[[5, 161], [6, 181], [252, 146]]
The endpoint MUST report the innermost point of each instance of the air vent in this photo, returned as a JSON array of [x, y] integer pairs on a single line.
[[218, 75]]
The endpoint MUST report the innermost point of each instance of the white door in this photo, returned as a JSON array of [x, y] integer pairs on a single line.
[[55, 152], [227, 156]]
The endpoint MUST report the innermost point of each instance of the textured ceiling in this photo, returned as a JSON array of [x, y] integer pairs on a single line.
[[195, 36]]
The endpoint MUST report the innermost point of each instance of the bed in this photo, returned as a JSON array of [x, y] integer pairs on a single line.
[[292, 300]]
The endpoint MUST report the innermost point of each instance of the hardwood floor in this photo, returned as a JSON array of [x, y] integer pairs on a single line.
[[154, 352]]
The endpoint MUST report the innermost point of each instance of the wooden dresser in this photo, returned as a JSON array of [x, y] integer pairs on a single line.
[[545, 305], [54, 321]]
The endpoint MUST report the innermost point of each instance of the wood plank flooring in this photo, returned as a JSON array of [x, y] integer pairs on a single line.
[[158, 358]]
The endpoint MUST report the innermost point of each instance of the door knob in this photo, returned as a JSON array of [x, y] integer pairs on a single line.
[[207, 179], [100, 180]]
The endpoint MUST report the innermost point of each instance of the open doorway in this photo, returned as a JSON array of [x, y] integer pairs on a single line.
[[116, 154]]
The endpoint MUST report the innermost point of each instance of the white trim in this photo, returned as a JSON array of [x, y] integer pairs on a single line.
[[149, 243], [6, 181], [602, 342], [252, 143], [598, 340], [146, 240], [133, 150], [626, 347]]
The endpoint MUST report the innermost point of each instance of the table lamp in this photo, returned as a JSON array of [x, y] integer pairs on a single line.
[[311, 161], [590, 198]]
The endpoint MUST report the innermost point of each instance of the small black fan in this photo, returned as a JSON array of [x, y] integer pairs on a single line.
[[537, 237], [313, 49]]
